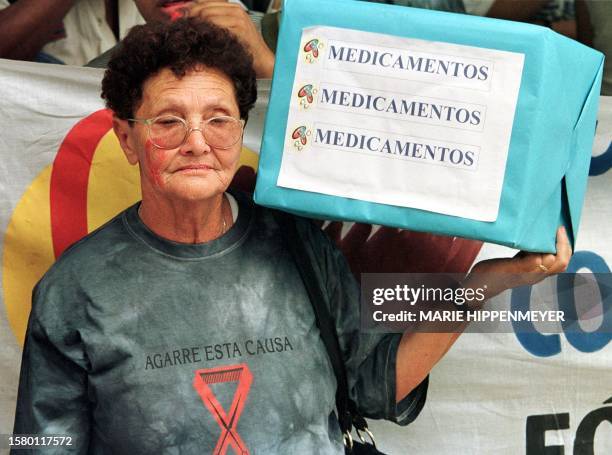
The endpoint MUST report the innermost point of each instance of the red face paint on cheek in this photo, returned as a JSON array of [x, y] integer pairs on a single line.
[[155, 161]]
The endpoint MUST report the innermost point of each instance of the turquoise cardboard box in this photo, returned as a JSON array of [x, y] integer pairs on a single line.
[[429, 121]]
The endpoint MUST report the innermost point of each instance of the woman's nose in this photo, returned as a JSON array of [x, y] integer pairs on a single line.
[[195, 142]]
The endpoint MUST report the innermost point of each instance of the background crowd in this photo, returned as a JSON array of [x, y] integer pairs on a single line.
[[84, 32]]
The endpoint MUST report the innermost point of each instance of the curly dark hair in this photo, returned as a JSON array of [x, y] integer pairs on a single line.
[[179, 46]]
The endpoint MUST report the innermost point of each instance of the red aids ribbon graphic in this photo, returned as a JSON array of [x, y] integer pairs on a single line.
[[227, 421]]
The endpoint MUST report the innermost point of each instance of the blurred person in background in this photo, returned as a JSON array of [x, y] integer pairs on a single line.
[[559, 15], [594, 28], [453, 6], [63, 31], [514, 10], [234, 16], [556, 14]]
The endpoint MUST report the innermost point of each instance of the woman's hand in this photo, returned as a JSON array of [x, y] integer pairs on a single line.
[[497, 275]]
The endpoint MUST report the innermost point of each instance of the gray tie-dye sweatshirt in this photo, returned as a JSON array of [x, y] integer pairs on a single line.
[[140, 345]]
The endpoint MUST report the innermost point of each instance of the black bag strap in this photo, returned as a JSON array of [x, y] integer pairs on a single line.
[[347, 410]]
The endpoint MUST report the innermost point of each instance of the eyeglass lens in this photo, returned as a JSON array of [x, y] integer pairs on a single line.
[[170, 132]]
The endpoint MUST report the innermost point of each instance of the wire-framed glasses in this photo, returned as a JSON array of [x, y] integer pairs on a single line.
[[170, 131]]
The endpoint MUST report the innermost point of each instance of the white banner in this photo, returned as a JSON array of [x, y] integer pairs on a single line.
[[532, 394], [499, 393]]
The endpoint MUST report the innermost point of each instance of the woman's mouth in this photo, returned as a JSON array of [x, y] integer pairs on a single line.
[[194, 169]]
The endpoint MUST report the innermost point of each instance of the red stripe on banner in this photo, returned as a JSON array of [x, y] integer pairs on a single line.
[[70, 177]]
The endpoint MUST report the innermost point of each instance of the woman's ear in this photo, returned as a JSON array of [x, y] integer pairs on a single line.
[[125, 133]]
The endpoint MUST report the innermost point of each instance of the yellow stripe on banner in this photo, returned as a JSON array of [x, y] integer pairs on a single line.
[[28, 252], [113, 185]]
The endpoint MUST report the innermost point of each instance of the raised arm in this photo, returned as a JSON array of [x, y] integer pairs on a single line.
[[235, 18], [419, 352], [27, 25]]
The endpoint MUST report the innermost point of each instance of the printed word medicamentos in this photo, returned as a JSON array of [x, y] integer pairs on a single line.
[[397, 146], [405, 62], [444, 113]]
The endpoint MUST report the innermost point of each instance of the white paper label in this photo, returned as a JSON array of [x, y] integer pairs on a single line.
[[403, 122]]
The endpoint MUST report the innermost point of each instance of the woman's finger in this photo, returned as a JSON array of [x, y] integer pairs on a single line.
[[564, 251]]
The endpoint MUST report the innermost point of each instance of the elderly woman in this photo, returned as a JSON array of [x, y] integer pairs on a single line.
[[182, 325]]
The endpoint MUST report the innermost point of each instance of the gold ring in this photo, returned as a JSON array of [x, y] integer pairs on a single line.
[[543, 268]]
